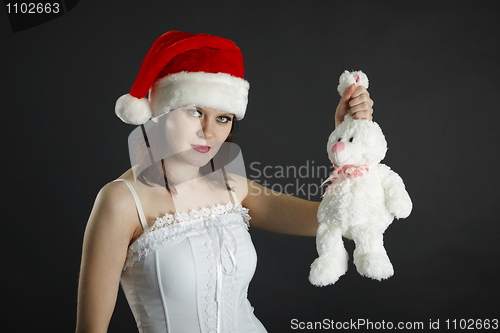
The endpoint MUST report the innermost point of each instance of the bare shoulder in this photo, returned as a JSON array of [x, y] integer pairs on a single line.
[[114, 208], [260, 196], [116, 195]]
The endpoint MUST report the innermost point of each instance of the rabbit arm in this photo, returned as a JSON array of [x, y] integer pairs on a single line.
[[397, 198]]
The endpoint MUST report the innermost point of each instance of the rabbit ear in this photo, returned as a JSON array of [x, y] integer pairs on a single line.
[[347, 78]]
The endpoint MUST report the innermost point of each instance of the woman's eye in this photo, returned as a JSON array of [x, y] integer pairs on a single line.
[[194, 113], [223, 119]]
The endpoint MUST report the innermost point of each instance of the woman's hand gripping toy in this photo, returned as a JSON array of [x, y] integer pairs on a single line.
[[361, 202]]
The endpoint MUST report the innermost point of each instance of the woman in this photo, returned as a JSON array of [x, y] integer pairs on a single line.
[[173, 228]]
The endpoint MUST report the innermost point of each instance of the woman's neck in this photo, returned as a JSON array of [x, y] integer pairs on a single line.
[[179, 172]]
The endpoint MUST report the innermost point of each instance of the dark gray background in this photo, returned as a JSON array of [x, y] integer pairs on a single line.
[[434, 79]]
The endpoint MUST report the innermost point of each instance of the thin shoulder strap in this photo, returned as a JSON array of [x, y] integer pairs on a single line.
[[137, 203], [232, 192], [228, 185]]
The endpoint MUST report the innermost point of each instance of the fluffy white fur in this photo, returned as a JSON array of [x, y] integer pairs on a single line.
[[360, 208], [347, 78], [133, 110], [219, 91]]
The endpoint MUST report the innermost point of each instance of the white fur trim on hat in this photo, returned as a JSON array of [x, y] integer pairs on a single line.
[[133, 110], [219, 91], [346, 79]]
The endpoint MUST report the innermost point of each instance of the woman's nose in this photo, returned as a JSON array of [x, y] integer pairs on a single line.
[[208, 134], [206, 131]]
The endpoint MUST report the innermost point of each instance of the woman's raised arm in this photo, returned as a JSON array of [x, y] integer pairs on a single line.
[[282, 213], [278, 212], [113, 223]]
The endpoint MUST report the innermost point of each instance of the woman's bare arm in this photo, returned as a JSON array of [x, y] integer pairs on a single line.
[[111, 226], [278, 212]]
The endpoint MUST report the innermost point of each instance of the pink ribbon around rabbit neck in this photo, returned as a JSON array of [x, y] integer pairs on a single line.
[[354, 171]]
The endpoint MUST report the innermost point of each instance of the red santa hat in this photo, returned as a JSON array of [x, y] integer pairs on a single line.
[[184, 69]]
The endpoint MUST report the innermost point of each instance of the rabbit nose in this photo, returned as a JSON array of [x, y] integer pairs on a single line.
[[338, 147]]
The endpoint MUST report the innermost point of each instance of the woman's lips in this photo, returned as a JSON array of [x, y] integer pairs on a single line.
[[201, 149]]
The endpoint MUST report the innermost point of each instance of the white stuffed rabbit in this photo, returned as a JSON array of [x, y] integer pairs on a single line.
[[361, 202]]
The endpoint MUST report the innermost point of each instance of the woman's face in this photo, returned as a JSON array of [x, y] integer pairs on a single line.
[[195, 134]]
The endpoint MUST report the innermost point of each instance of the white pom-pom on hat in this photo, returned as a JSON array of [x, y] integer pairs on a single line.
[[348, 78], [133, 110]]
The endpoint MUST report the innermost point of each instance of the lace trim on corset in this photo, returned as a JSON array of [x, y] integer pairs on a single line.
[[169, 228]]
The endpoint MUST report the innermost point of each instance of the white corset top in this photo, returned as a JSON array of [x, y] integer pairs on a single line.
[[172, 226], [190, 272]]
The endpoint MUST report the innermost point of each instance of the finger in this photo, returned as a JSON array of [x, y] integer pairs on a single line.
[[362, 115], [343, 106], [365, 106], [364, 98], [359, 91], [348, 93], [363, 110]]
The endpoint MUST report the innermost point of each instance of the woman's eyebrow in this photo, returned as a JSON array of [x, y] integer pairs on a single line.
[[225, 114], [219, 114]]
